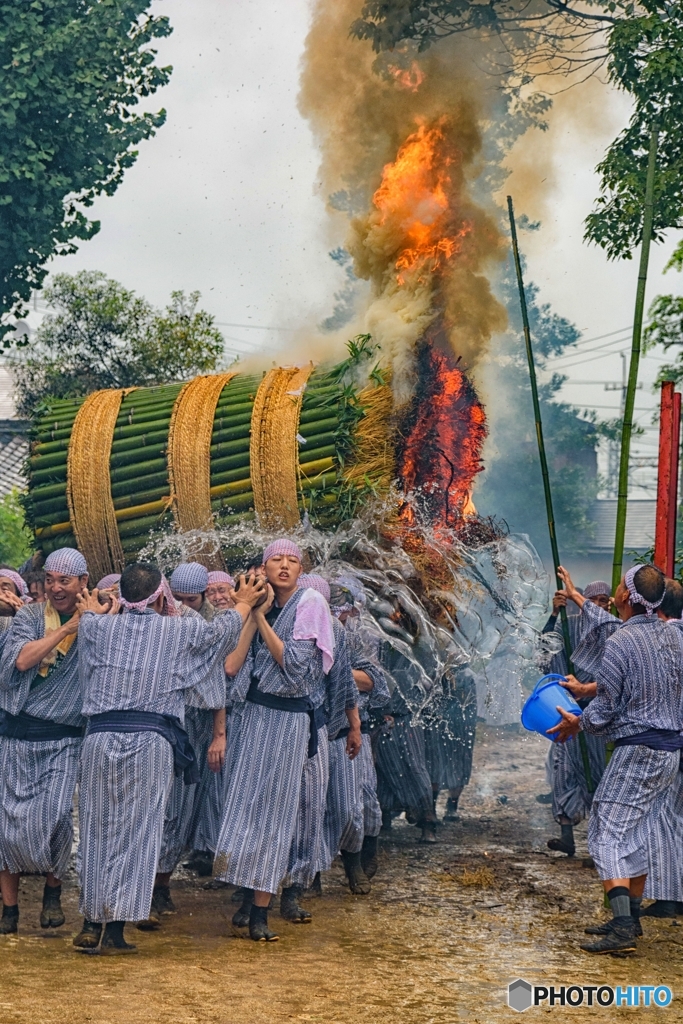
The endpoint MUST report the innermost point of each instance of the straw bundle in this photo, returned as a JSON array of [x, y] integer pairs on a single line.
[[108, 469]]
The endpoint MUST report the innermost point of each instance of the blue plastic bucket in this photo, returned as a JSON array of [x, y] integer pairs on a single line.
[[540, 709]]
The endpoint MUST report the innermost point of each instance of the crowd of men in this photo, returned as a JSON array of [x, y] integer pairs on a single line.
[[253, 722], [619, 759]]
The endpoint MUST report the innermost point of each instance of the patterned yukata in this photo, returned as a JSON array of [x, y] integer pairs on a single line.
[[268, 758], [38, 778], [639, 687], [144, 662], [309, 853], [665, 859], [403, 781], [353, 784], [449, 737], [571, 797]]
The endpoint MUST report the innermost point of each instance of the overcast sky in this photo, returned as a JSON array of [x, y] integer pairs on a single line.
[[224, 200]]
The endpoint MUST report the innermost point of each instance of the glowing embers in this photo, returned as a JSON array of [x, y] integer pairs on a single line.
[[414, 198], [408, 78], [442, 434]]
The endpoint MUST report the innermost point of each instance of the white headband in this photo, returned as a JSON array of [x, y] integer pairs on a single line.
[[636, 598]]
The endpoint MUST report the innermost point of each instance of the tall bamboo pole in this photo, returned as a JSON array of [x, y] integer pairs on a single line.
[[544, 469], [627, 427]]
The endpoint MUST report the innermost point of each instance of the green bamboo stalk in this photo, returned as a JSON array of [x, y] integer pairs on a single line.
[[627, 426], [544, 470]]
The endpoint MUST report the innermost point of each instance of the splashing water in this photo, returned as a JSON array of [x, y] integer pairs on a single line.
[[441, 604]]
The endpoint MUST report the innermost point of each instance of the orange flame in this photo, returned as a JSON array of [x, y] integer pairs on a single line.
[[411, 78], [414, 196], [443, 434]]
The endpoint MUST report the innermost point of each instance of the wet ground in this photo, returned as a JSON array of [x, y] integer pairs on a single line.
[[444, 931]]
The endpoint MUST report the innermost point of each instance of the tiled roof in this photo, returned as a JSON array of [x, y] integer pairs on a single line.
[[640, 524]]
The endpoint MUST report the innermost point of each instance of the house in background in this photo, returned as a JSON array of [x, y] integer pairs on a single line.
[[596, 564], [13, 439]]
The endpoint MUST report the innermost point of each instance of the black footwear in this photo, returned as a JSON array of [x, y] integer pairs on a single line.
[[621, 938], [113, 942], [316, 886], [161, 900], [289, 906], [386, 821], [544, 798], [561, 846], [368, 856], [9, 920], [359, 883], [203, 863], [52, 915], [150, 924], [240, 894], [258, 925], [660, 908], [241, 917], [451, 810], [428, 832], [89, 935], [606, 928]]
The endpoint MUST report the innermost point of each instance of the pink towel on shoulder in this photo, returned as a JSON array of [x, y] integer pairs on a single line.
[[314, 622]]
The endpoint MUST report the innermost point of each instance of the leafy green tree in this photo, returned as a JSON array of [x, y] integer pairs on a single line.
[[645, 61], [16, 540], [71, 74], [104, 336]]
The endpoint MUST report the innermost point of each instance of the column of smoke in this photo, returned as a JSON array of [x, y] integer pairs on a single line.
[[401, 142]]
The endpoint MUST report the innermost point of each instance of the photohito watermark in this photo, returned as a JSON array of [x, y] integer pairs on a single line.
[[522, 996]]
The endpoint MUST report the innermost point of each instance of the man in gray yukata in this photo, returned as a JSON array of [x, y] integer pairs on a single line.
[[638, 704], [40, 739], [135, 670]]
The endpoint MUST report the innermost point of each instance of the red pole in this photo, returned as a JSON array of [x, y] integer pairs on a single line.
[[663, 520], [673, 483]]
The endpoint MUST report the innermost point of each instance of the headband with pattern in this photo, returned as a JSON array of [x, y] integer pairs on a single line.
[[636, 598]]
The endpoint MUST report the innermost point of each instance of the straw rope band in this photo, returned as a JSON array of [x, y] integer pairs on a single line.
[[373, 457], [88, 482], [189, 450], [273, 450]]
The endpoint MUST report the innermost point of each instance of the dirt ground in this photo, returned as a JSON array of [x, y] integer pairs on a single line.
[[423, 947]]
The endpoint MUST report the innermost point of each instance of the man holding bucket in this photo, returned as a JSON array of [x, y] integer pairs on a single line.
[[638, 706]]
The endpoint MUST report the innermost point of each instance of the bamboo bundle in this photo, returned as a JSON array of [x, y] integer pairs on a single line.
[[106, 470]]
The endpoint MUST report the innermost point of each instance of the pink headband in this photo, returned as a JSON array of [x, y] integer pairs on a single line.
[[139, 606], [221, 577], [636, 598], [281, 547], [16, 579]]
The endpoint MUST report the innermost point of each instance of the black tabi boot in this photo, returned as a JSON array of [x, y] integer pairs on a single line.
[[359, 883], [52, 915], [621, 938], [258, 925], [660, 908], [113, 942], [368, 856], [386, 821], [161, 900], [428, 832], [240, 918], [9, 921], [202, 862], [152, 923], [289, 905], [565, 844], [89, 935], [240, 894], [451, 810], [316, 886]]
